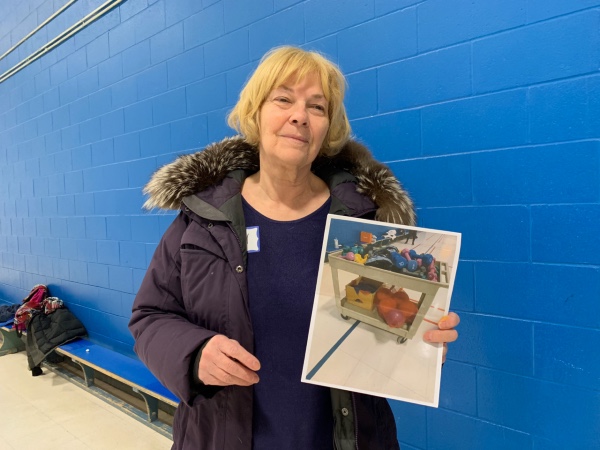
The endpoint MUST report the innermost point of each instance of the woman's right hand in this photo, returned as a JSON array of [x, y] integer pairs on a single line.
[[225, 362]]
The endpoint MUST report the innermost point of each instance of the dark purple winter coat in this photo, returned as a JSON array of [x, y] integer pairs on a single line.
[[195, 287]]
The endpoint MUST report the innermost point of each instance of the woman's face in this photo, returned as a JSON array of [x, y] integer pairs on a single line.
[[293, 123]]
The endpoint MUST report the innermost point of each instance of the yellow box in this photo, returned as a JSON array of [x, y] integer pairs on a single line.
[[361, 292]]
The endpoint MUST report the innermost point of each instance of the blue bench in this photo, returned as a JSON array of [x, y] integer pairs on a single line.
[[92, 357], [9, 342]]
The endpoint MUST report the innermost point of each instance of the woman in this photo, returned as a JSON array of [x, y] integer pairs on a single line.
[[223, 324]]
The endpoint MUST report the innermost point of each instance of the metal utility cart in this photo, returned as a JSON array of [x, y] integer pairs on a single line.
[[427, 288]]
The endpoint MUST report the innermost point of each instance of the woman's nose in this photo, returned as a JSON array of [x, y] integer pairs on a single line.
[[299, 115]]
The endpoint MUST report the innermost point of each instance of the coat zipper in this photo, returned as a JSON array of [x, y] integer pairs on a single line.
[[355, 421]]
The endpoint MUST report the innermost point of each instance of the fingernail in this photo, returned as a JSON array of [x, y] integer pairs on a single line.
[[442, 320]]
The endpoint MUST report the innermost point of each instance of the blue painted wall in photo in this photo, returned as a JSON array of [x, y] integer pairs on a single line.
[[488, 113]]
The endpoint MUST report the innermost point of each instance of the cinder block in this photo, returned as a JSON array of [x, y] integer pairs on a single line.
[[112, 124], [84, 204], [169, 106], [89, 131], [425, 79], [204, 26], [86, 250], [477, 224], [115, 176], [323, 18], [138, 116], [146, 229], [81, 157], [110, 70], [58, 72], [108, 252], [73, 182], [558, 173], [52, 249], [88, 82], [78, 272], [495, 342], [136, 58], [490, 121], [139, 172], [66, 204], [189, 133], [186, 68], [76, 63], [556, 360], [42, 81], [98, 50], [100, 102], [178, 11], [44, 124], [133, 254], [460, 388], [234, 45], [155, 141], [444, 23], [127, 147], [540, 408], [548, 225], [61, 117], [68, 249], [565, 111], [152, 81], [95, 227], [453, 172], [206, 95], [56, 184], [98, 275], [442, 426], [102, 152], [217, 125], [282, 28], [76, 227], [361, 95], [547, 300], [70, 138], [149, 21], [537, 53], [540, 9], [60, 269], [237, 13], [236, 79], [124, 92], [411, 432], [118, 228], [166, 44], [391, 136], [121, 37], [24, 245], [379, 41], [120, 278]]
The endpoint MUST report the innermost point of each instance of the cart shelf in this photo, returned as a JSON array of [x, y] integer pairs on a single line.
[[427, 288]]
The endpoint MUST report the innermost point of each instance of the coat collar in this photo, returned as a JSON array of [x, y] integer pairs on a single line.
[[198, 172]]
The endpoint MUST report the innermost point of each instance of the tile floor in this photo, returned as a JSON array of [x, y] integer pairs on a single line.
[[49, 412]]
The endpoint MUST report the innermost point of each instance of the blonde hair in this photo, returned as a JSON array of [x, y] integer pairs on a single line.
[[277, 67]]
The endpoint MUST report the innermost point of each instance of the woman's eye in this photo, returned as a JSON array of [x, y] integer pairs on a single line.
[[319, 108], [282, 99]]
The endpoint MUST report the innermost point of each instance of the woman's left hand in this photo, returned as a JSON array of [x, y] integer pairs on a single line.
[[445, 332]]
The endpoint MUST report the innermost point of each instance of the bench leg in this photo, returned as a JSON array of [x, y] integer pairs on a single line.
[[151, 405], [88, 374], [10, 343]]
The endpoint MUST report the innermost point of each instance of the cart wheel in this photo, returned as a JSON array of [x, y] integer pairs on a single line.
[[401, 340], [344, 317]]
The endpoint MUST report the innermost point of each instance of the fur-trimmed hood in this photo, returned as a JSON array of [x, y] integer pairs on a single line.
[[193, 173]]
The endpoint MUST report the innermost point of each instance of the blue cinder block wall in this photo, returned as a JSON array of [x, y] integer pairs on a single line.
[[488, 111]]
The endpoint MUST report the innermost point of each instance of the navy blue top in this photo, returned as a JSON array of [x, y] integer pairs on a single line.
[[282, 278]]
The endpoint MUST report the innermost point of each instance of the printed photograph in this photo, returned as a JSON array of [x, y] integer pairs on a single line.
[[381, 286]]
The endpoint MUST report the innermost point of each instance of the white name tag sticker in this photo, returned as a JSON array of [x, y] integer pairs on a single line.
[[253, 239]]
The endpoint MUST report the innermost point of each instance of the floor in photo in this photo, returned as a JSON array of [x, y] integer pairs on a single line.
[[49, 412]]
